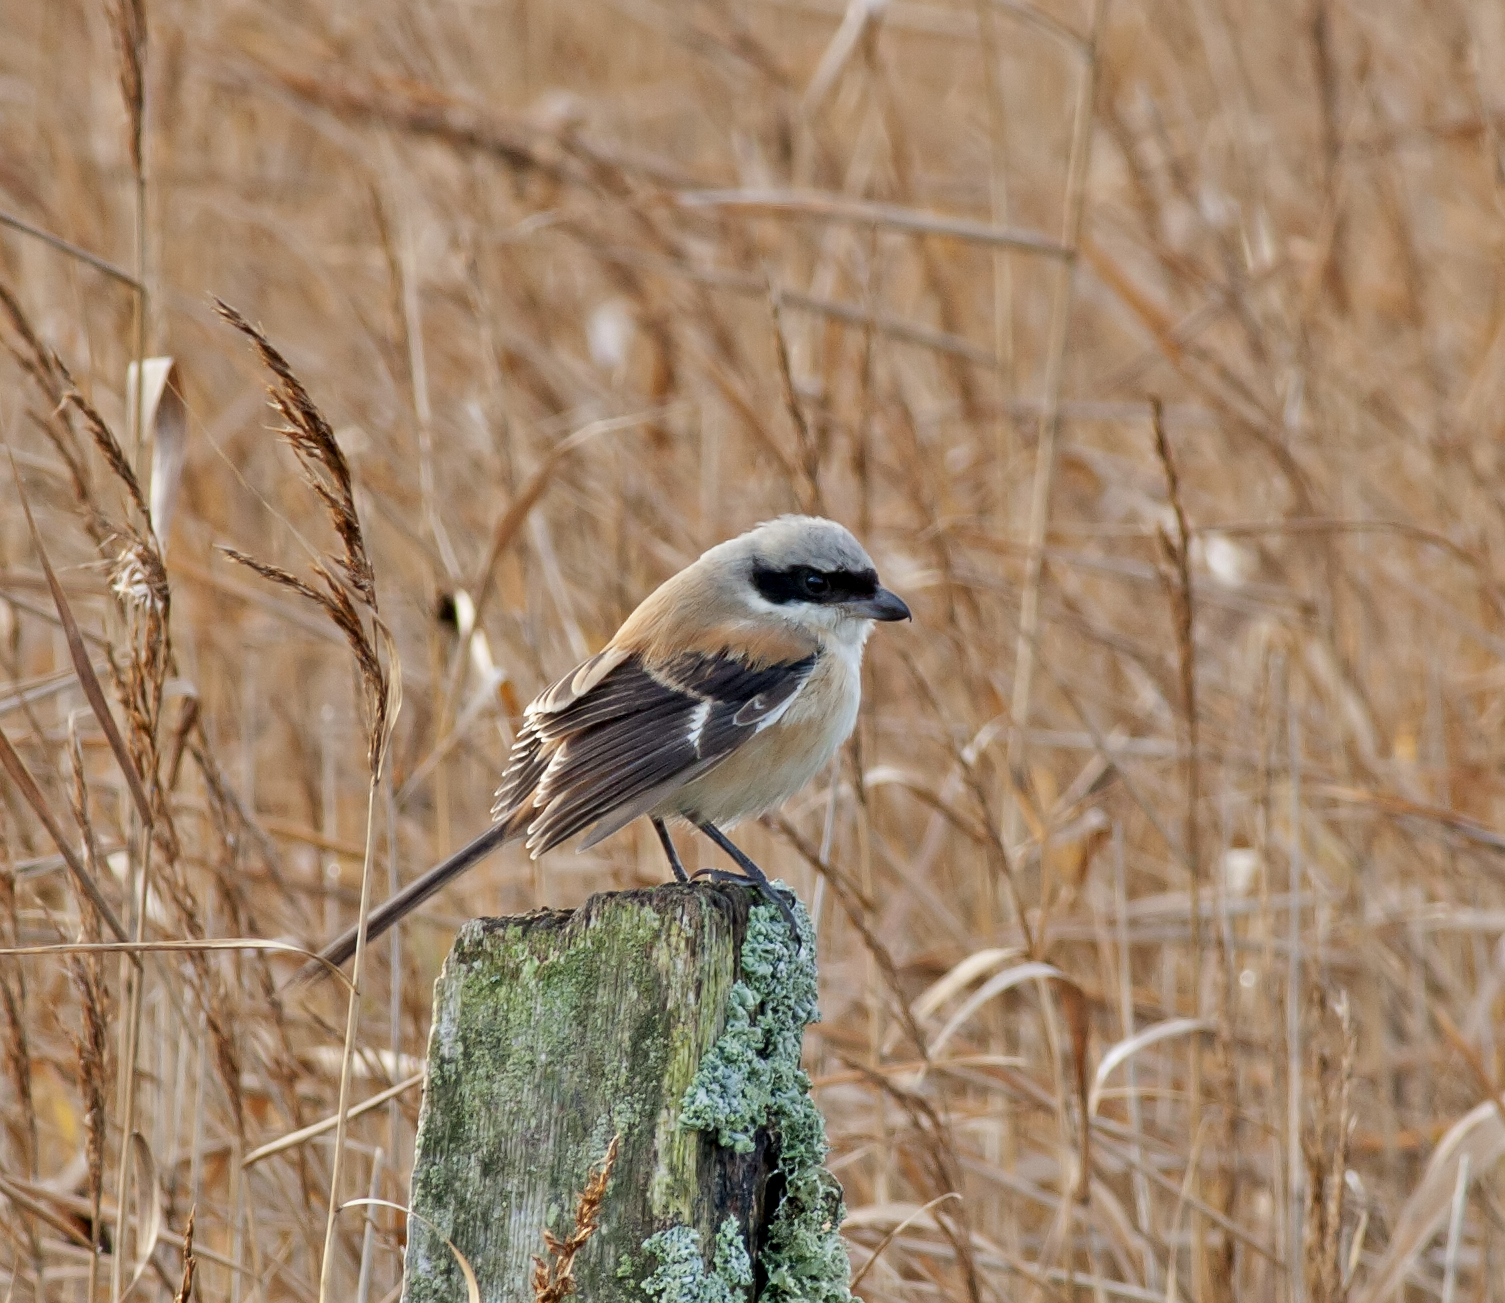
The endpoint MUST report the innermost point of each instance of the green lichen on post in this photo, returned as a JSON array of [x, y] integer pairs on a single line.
[[681, 1276], [555, 1032], [752, 1078], [552, 1033]]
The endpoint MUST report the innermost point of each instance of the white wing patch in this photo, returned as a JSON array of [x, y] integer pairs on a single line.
[[757, 713], [698, 717]]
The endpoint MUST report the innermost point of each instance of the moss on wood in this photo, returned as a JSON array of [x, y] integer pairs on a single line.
[[552, 1033], [751, 1080], [671, 1018]]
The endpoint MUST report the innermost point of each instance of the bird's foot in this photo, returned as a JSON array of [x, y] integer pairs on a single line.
[[772, 894]]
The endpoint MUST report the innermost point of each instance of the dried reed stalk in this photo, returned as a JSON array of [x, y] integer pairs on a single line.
[[1177, 578], [190, 1263], [1073, 219], [91, 1041], [130, 31], [139, 585], [1326, 1143], [18, 1055], [554, 1280], [345, 589], [811, 501]]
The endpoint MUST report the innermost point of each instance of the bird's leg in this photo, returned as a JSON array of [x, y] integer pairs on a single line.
[[668, 844], [752, 873]]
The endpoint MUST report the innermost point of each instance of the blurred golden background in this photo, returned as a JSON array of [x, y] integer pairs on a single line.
[[1156, 349]]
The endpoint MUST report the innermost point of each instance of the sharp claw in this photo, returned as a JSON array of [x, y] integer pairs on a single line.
[[767, 890]]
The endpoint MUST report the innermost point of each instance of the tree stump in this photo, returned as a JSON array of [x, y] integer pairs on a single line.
[[631, 1018]]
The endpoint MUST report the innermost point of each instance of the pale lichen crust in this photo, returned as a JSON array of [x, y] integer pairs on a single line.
[[681, 1276], [751, 1078]]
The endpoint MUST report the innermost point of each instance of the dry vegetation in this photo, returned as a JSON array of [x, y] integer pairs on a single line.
[[1195, 738]]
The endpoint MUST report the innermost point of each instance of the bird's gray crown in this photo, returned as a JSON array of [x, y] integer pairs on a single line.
[[788, 541]]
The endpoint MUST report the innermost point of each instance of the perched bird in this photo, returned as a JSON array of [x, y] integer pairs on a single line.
[[722, 695]]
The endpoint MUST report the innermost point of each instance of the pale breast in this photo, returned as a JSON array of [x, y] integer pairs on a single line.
[[776, 763]]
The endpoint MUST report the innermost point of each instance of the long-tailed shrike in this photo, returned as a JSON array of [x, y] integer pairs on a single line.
[[723, 694]]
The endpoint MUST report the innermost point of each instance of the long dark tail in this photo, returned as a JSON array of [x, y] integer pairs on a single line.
[[398, 907]]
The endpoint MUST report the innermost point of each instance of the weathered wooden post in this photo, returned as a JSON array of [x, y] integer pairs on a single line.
[[669, 1020]]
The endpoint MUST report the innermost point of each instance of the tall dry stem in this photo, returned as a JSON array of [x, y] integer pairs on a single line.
[[345, 592]]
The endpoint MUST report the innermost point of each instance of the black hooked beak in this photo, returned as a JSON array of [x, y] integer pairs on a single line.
[[882, 605]]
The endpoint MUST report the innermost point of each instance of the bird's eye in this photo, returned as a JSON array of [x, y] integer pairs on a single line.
[[815, 583]]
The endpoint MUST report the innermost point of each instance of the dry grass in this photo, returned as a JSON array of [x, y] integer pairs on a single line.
[[554, 1280], [1161, 364]]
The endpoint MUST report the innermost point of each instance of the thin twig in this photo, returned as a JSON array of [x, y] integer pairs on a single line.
[[72, 250], [857, 212], [13, 765]]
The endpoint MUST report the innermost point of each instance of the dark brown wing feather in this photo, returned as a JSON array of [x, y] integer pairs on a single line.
[[632, 737]]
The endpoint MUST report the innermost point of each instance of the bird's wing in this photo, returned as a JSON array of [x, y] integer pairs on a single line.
[[617, 735]]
